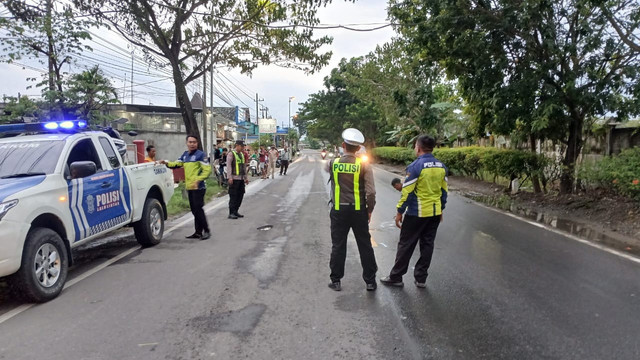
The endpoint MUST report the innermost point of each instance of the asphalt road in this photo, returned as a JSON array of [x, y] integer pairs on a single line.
[[499, 288]]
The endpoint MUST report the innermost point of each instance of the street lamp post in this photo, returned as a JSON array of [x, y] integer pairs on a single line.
[[289, 128]]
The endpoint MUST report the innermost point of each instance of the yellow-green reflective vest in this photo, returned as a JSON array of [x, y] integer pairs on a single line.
[[239, 163], [346, 168]]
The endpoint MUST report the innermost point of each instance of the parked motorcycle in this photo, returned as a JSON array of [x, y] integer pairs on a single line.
[[323, 154], [253, 167]]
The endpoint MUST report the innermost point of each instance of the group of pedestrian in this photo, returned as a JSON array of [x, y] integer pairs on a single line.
[[197, 169], [419, 211]]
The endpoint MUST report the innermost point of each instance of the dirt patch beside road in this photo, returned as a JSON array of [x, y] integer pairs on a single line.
[[598, 217]]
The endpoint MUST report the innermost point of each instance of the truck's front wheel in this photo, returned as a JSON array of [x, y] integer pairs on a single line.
[[151, 226], [44, 266]]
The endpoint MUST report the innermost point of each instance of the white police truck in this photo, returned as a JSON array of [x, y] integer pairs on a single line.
[[61, 186]]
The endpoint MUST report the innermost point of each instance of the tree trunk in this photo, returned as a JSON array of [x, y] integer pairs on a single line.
[[574, 146], [55, 114], [535, 179], [190, 123]]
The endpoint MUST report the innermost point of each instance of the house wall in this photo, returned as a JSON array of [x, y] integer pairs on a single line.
[[624, 138]]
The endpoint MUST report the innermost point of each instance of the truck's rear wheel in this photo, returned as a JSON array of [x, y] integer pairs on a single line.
[[150, 228], [44, 266]]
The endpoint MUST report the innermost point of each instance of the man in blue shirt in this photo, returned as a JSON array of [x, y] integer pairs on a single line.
[[424, 195]]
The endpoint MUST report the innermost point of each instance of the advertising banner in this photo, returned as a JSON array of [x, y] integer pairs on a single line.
[[267, 126]]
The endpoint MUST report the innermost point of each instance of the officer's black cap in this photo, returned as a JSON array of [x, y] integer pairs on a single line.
[[240, 142]]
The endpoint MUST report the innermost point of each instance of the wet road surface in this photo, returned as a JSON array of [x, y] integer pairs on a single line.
[[498, 288]]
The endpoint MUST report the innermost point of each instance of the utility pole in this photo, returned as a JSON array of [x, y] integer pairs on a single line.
[[214, 126], [204, 113], [131, 77]]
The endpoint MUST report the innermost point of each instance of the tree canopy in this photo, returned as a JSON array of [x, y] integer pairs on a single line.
[[190, 36], [542, 67]]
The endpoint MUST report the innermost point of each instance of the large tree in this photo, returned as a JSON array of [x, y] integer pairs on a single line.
[[337, 107], [192, 35], [48, 31], [548, 64], [88, 92]]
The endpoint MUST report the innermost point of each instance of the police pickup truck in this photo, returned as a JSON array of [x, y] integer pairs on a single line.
[[61, 186]]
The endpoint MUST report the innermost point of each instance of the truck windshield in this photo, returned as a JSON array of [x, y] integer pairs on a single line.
[[22, 159]]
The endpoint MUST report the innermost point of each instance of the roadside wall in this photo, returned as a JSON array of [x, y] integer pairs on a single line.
[[622, 138], [169, 145]]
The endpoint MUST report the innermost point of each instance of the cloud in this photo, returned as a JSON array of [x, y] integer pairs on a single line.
[[274, 84]]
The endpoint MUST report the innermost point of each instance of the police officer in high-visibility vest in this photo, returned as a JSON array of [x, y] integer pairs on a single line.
[[353, 197], [424, 196], [238, 178]]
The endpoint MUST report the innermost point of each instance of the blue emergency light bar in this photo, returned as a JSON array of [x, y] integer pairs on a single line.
[[45, 127]]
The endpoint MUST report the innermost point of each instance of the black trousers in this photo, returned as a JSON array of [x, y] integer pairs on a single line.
[[415, 230], [284, 166], [196, 202], [341, 222], [236, 194]]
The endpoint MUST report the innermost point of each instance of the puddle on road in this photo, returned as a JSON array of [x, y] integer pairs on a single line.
[[239, 322], [569, 226]]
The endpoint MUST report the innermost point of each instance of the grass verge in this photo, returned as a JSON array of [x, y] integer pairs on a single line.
[[180, 204]]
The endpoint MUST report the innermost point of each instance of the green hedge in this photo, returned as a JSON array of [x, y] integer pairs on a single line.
[[620, 174], [474, 160]]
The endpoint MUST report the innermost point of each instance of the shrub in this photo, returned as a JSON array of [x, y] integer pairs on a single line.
[[619, 174], [472, 160], [397, 155]]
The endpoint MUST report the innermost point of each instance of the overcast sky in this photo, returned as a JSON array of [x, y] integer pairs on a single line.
[[273, 84]]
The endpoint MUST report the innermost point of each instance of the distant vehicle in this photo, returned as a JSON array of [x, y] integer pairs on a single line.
[[362, 153], [64, 188]]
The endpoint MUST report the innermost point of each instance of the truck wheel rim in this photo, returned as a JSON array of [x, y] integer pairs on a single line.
[[156, 222], [47, 265]]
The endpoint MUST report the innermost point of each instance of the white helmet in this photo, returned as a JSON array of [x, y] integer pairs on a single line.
[[353, 136]]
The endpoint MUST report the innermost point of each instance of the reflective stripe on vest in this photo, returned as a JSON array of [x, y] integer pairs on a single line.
[[238, 162], [346, 168]]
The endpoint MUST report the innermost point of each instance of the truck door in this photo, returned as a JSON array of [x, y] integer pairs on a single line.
[[95, 200]]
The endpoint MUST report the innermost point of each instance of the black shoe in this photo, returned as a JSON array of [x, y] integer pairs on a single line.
[[335, 286], [232, 216], [387, 281], [193, 236], [239, 215], [372, 286], [205, 235]]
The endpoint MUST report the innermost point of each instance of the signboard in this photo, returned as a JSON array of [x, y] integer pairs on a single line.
[[267, 126]]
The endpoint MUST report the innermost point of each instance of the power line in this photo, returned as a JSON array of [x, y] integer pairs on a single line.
[[349, 27]]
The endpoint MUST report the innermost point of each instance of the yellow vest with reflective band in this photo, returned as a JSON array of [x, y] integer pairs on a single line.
[[347, 168], [239, 161]]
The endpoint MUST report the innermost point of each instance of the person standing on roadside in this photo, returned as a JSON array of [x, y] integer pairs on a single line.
[[285, 157], [424, 196], [196, 171], [237, 179], [151, 154], [353, 194], [263, 162], [273, 157]]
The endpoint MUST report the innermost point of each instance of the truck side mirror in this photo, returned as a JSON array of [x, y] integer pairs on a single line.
[[81, 169]]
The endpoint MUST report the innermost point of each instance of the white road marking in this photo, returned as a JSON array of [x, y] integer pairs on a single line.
[[553, 230], [22, 308]]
